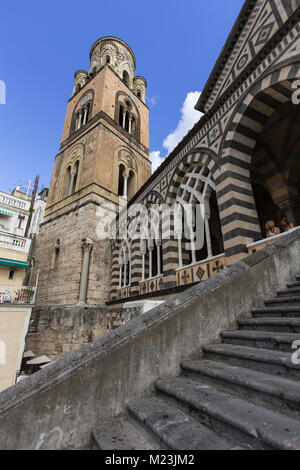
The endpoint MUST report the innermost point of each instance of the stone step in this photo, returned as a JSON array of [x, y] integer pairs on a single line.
[[291, 325], [293, 284], [122, 434], [246, 423], [175, 429], [291, 291], [258, 386], [286, 300], [261, 339], [276, 312], [263, 360]]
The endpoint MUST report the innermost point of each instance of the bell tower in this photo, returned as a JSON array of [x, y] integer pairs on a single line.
[[103, 158]]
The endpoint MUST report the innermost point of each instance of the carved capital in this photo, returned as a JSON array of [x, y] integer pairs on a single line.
[[87, 244]]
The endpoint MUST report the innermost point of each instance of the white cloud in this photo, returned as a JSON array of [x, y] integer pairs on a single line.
[[189, 117], [155, 159], [152, 101]]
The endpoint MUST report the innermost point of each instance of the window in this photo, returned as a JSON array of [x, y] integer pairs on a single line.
[[125, 77], [121, 180], [57, 253], [107, 59], [11, 275], [139, 94], [21, 219]]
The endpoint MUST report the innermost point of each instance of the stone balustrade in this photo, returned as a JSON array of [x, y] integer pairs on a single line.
[[14, 202], [14, 242]]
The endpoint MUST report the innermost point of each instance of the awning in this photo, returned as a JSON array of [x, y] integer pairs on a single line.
[[5, 212], [39, 360], [28, 354], [15, 263]]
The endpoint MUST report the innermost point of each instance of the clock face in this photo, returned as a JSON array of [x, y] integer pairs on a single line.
[[84, 100]]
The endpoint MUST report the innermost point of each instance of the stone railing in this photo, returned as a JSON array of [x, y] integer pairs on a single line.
[[259, 245], [17, 295], [14, 242], [14, 202], [200, 271]]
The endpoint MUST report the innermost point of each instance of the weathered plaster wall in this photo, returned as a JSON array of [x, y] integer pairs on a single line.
[[14, 320], [58, 407]]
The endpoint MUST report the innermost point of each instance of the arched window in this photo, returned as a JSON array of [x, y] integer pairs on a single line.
[[194, 196], [121, 116], [133, 126], [125, 77], [74, 177], [107, 59], [67, 182], [121, 180], [139, 94], [131, 185], [127, 119], [56, 254]]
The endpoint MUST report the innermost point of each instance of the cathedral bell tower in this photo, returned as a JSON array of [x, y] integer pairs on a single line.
[[103, 156]]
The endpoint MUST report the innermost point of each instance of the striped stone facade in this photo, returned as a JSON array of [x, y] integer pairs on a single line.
[[248, 136]]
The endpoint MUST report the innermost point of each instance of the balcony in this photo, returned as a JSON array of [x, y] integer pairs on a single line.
[[17, 295], [14, 242], [14, 202]]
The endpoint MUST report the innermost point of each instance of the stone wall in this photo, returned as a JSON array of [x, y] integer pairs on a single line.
[[55, 331], [58, 407]]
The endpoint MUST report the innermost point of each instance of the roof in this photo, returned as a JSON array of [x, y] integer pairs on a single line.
[[225, 53]]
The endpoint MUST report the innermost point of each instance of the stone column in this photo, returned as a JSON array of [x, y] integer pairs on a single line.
[[207, 229], [125, 273], [130, 121], [79, 120], [124, 117], [85, 116], [158, 245], [120, 275], [87, 246], [150, 247], [143, 252], [125, 186]]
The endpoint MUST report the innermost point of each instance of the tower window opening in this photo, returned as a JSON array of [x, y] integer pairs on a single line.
[[127, 119], [121, 114], [57, 254], [139, 94], [67, 182], [121, 180], [107, 59], [125, 77]]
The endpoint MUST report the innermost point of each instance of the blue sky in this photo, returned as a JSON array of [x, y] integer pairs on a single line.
[[43, 43]]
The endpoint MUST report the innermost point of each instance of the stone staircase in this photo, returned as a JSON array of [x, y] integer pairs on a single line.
[[242, 393]]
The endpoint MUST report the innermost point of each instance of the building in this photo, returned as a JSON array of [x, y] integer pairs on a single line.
[[14, 247], [103, 155], [16, 256], [240, 162]]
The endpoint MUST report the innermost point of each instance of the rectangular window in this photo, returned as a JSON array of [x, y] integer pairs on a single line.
[[21, 218], [11, 275]]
